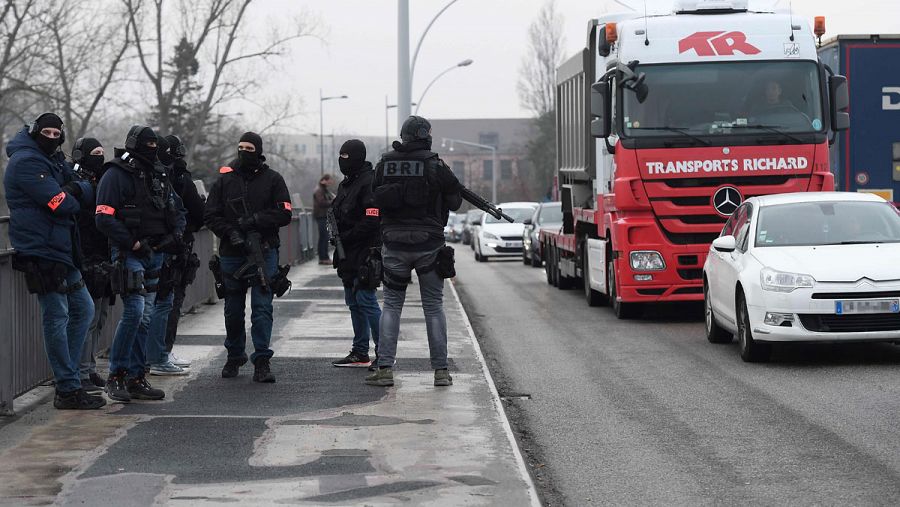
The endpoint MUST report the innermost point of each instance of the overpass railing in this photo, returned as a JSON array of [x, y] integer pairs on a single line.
[[23, 362]]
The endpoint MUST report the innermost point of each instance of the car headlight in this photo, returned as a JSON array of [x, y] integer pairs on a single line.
[[647, 260], [779, 281], [488, 235]]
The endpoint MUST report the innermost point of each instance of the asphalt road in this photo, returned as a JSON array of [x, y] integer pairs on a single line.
[[648, 412]]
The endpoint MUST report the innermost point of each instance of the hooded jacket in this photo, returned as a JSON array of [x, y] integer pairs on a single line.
[[357, 219], [267, 198], [41, 214]]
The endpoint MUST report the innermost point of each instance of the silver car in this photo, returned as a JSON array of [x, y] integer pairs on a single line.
[[548, 215]]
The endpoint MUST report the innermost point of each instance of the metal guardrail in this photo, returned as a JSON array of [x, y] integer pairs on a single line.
[[23, 362]]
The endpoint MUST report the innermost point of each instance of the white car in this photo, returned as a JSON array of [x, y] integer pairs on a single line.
[[806, 267], [499, 238]]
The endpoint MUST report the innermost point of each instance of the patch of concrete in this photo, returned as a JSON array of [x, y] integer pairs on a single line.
[[121, 490]]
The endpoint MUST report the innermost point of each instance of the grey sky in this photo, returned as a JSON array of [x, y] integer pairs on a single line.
[[359, 57]]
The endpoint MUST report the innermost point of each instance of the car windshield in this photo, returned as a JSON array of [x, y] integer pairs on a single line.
[[827, 223], [551, 214], [517, 214], [722, 98]]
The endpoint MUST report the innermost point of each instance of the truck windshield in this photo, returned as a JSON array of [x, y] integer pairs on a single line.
[[726, 98]]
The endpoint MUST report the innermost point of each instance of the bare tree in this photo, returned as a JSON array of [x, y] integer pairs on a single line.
[[537, 75]]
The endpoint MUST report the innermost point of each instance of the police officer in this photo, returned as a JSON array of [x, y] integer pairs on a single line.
[[357, 219], [88, 155], [44, 197], [248, 198], [143, 219], [414, 191], [181, 268]]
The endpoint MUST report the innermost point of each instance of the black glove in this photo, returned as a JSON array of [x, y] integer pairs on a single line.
[[144, 251], [235, 238], [247, 223], [170, 244], [73, 188]]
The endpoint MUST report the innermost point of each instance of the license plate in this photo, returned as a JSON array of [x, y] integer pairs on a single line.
[[513, 244], [867, 306]]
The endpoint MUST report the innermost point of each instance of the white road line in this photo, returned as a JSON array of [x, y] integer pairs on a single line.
[[498, 405]]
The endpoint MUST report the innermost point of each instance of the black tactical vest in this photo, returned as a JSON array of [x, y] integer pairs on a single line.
[[410, 189], [150, 211]]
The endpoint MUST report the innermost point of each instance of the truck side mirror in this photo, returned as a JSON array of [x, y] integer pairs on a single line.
[[839, 95], [601, 126]]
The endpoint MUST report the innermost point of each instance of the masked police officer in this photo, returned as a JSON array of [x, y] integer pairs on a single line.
[[414, 191], [88, 155], [357, 219], [44, 197], [180, 269], [248, 199], [144, 220]]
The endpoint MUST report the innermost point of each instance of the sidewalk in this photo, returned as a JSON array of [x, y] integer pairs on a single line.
[[317, 436]]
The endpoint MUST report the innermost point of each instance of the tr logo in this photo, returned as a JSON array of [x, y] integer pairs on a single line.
[[726, 200], [888, 94], [717, 44]]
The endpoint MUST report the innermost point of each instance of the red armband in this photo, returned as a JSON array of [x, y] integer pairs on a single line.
[[105, 210], [225, 170], [56, 200], [371, 212]]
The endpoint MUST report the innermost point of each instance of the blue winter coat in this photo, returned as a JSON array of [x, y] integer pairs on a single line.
[[41, 214]]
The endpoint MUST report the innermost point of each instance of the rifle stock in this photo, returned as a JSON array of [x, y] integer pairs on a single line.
[[484, 205]]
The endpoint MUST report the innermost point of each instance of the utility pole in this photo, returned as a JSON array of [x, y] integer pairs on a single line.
[[404, 86]]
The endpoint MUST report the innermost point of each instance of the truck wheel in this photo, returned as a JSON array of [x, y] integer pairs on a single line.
[[622, 310], [752, 351], [714, 332], [593, 297]]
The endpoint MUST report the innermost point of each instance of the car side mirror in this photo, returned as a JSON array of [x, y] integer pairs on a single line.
[[724, 244], [527, 221], [839, 94]]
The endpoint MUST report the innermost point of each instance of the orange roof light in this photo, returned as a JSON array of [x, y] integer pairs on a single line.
[[819, 26], [611, 34]]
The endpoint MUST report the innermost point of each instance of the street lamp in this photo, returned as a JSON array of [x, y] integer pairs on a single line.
[[494, 169], [388, 107], [322, 128], [405, 71], [464, 63]]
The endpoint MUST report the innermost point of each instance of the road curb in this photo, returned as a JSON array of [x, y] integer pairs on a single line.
[[498, 404]]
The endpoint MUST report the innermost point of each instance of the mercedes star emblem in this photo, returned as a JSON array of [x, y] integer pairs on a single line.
[[726, 200]]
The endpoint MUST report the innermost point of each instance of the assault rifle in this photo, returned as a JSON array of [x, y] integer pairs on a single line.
[[255, 267], [484, 205], [335, 235]]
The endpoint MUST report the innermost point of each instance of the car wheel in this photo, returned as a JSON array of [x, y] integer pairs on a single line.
[[525, 260], [593, 297], [752, 351], [535, 260], [622, 310], [714, 332]]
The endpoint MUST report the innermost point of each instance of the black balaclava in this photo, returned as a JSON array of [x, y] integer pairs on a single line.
[[47, 120], [141, 150], [162, 152], [251, 160], [90, 163], [354, 163], [177, 151], [416, 130]]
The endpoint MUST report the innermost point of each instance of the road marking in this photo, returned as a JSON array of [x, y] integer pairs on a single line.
[[498, 405]]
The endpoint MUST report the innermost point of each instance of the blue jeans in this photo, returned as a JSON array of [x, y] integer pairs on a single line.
[[140, 319], [260, 309], [365, 315], [66, 318], [323, 238]]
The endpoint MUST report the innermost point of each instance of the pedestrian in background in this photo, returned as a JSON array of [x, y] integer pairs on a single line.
[[415, 192], [357, 220], [322, 199], [88, 155], [44, 197]]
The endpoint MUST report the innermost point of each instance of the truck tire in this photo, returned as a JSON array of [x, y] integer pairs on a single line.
[[752, 351], [714, 332], [623, 311], [593, 297]]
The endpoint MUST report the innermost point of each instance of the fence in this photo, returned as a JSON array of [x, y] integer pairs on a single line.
[[23, 362]]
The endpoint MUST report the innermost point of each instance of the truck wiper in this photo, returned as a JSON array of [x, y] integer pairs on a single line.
[[679, 130], [770, 128]]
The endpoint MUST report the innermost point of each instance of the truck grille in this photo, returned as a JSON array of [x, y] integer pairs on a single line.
[[851, 323], [690, 274]]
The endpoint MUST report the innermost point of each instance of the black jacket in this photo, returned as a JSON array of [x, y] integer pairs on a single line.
[[266, 196], [416, 231], [94, 244], [126, 182], [186, 189], [357, 218]]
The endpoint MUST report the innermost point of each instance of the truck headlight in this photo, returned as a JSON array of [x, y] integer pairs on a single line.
[[779, 281], [647, 260], [488, 235]]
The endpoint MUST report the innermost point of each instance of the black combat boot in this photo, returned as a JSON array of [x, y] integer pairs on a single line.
[[261, 373], [77, 400], [230, 370]]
